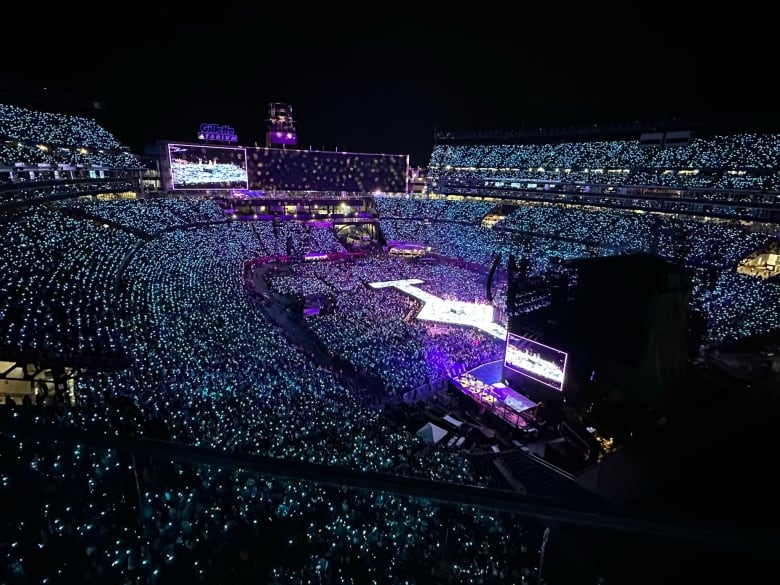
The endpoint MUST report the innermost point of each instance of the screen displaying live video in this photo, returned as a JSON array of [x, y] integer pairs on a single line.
[[207, 167], [536, 361]]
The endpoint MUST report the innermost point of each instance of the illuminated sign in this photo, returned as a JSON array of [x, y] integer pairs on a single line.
[[217, 133], [535, 360]]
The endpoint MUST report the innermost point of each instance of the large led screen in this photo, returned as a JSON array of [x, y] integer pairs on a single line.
[[207, 167], [536, 361]]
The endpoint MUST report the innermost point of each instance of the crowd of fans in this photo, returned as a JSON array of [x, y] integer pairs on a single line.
[[403, 352], [733, 161], [163, 283], [322, 171], [151, 216], [31, 137], [212, 372], [31, 191], [736, 305], [206, 364], [58, 284], [50, 156]]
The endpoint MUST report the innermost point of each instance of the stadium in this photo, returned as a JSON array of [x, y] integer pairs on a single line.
[[549, 357]]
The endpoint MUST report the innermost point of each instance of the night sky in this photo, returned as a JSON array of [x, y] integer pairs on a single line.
[[385, 78]]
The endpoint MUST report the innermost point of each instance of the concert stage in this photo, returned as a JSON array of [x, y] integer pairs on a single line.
[[484, 385]]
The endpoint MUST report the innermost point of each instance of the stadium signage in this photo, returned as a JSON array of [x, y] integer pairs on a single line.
[[217, 133]]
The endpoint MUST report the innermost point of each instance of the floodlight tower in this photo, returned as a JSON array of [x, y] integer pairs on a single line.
[[281, 126]]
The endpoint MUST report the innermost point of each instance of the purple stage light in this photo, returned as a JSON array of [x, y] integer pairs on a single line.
[[281, 137]]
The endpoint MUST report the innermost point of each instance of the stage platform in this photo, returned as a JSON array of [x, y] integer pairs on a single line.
[[485, 386]]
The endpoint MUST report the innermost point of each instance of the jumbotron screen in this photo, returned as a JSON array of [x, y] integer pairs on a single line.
[[536, 361], [207, 167]]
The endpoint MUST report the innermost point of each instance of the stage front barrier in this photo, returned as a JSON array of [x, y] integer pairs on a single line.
[[425, 391]]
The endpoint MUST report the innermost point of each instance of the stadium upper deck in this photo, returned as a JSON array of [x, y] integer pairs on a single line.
[[48, 156], [731, 175], [34, 138]]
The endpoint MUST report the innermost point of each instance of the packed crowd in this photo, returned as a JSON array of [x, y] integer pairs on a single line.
[[32, 137], [151, 216], [736, 305], [375, 330], [200, 364], [89, 515], [31, 191], [212, 372], [57, 292], [162, 283], [321, 171], [734, 161]]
